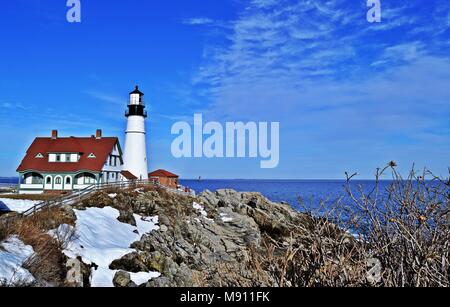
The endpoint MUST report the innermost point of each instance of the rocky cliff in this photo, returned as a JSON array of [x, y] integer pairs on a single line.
[[222, 238], [155, 238]]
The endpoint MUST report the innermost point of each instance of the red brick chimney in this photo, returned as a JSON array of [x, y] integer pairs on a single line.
[[98, 134], [54, 134]]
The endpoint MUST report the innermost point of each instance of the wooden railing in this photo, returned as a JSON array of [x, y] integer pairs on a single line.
[[78, 196]]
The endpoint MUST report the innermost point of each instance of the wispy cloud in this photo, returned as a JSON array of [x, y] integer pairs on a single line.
[[402, 53], [334, 79], [198, 21], [11, 106], [106, 97]]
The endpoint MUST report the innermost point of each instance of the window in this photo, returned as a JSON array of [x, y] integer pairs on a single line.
[[68, 180], [58, 158], [89, 179], [39, 156], [74, 158], [91, 156], [49, 180], [58, 180]]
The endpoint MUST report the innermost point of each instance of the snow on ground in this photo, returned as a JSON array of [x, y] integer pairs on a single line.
[[112, 195], [100, 238], [13, 253], [225, 218], [139, 190], [200, 209], [103, 277], [19, 205]]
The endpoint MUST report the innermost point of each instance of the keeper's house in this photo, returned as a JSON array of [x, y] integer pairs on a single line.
[[57, 165]]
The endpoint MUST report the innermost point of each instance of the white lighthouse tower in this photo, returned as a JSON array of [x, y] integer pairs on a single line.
[[135, 154]]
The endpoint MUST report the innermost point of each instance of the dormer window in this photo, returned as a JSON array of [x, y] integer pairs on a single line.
[[63, 157], [39, 156], [91, 156]]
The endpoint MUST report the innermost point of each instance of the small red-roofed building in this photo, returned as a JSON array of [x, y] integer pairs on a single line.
[[165, 178]]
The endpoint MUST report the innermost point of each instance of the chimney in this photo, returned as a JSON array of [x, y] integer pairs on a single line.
[[54, 134], [98, 134]]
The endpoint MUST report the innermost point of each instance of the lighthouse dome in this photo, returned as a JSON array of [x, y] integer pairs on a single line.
[[137, 91]]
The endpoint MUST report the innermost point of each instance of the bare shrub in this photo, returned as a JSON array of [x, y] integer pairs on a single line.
[[48, 263], [4, 232], [99, 199], [407, 228], [401, 238]]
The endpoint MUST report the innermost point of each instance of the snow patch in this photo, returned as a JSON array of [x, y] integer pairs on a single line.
[[143, 277], [103, 277], [139, 190], [19, 205], [13, 253], [112, 195], [225, 218], [200, 209], [100, 238]]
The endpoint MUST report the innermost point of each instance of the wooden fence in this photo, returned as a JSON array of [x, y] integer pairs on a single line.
[[78, 196]]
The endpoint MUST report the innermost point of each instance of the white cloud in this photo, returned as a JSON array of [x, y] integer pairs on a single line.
[[198, 21], [402, 53], [300, 64], [106, 97]]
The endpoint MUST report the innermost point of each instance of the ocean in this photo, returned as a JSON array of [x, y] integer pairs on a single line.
[[294, 192], [8, 181]]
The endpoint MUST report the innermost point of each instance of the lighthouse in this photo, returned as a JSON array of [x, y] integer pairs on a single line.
[[135, 154]]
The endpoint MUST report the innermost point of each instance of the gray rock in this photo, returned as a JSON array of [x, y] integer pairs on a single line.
[[374, 271], [164, 220], [133, 262], [123, 280], [160, 282], [127, 217], [190, 250], [74, 276]]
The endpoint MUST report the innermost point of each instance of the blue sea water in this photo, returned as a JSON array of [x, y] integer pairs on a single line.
[[8, 181], [294, 192]]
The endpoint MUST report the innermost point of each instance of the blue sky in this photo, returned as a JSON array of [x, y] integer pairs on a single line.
[[349, 95]]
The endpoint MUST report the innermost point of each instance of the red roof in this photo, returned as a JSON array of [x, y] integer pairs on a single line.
[[162, 173], [101, 148], [128, 175]]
